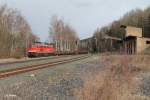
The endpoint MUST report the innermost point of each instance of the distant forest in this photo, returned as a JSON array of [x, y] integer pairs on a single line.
[[138, 18]]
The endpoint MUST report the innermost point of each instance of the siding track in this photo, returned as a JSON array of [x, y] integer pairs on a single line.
[[11, 72]]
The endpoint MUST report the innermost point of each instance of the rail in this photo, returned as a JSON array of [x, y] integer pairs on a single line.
[[11, 72]]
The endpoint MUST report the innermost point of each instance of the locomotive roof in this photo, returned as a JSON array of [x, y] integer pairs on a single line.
[[44, 43]]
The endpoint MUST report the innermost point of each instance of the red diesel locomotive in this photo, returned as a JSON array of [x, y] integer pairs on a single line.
[[46, 49], [41, 49]]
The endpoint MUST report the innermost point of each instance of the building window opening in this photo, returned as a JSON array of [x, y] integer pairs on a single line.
[[147, 42]]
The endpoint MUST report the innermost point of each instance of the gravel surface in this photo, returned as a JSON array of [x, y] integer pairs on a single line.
[[145, 85], [49, 84], [11, 60], [32, 62]]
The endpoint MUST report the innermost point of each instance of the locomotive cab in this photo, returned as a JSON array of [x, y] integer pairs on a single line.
[[41, 49]]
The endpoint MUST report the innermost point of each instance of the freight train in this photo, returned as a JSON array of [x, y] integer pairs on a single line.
[[39, 49]]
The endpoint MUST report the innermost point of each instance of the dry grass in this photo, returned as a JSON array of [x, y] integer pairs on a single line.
[[117, 82], [114, 82]]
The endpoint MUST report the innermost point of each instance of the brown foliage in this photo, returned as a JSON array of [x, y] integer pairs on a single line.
[[138, 18], [117, 82], [63, 35], [15, 33]]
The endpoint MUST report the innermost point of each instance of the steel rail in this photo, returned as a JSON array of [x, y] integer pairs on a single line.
[[34, 59], [11, 72]]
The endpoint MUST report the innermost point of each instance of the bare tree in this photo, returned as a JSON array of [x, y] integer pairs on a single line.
[[138, 18], [63, 35], [15, 33]]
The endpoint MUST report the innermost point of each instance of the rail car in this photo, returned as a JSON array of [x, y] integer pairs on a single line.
[[41, 49]]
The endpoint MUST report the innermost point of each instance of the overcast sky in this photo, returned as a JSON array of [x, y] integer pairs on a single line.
[[84, 15]]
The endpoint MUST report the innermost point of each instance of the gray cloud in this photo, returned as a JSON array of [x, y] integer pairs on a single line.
[[83, 15], [82, 4]]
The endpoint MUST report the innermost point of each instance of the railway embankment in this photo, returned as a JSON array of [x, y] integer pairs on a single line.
[[31, 62], [99, 77], [57, 82], [24, 59]]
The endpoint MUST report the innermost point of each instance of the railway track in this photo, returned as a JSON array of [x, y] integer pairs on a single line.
[[15, 71], [30, 60]]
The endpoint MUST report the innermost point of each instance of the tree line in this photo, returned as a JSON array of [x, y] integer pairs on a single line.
[[15, 33], [138, 18], [63, 35]]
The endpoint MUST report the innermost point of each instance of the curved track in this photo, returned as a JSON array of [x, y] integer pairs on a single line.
[[10, 72]]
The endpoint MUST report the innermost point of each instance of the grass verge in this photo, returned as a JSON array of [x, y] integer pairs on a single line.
[[117, 82]]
